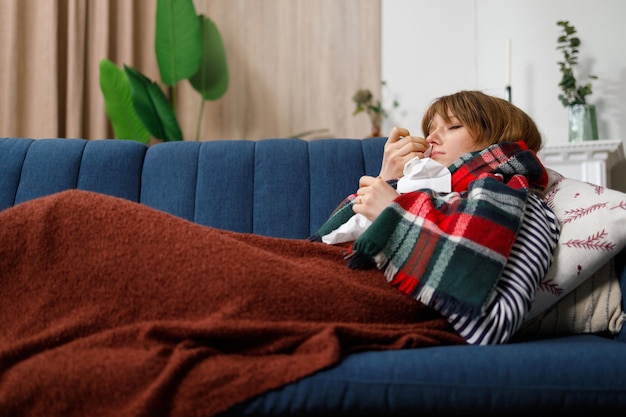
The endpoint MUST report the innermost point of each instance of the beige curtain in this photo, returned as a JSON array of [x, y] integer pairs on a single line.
[[51, 50], [294, 66]]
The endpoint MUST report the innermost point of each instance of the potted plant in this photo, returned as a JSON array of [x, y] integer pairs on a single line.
[[365, 102], [188, 47], [582, 115]]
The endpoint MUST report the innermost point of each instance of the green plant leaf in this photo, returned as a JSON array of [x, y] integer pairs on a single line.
[[177, 40], [152, 107], [568, 44], [118, 104], [211, 80]]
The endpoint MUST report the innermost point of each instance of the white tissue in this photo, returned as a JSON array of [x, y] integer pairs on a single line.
[[425, 173], [418, 174], [348, 231]]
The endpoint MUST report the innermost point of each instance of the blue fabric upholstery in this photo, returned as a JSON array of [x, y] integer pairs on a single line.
[[287, 188], [219, 177], [34, 168], [47, 171], [112, 168], [169, 179], [536, 378], [13, 153], [210, 183]]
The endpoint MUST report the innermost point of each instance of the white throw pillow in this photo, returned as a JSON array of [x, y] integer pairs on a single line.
[[595, 306], [593, 231]]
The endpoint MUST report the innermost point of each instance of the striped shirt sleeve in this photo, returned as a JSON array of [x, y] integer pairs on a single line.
[[530, 258]]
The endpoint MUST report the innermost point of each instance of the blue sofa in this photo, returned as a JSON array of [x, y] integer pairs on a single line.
[[206, 182]]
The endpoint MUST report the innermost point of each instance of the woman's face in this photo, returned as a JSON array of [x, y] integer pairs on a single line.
[[449, 140]]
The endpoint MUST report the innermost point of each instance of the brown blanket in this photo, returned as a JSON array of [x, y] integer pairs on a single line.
[[110, 308]]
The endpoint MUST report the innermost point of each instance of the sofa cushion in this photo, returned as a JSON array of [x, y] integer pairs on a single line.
[[595, 306], [533, 378], [13, 153], [35, 168]]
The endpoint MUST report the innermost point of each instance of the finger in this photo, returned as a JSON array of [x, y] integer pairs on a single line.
[[365, 181], [416, 140], [396, 134], [414, 145], [379, 183]]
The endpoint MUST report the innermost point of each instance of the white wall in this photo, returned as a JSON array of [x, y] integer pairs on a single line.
[[432, 48]]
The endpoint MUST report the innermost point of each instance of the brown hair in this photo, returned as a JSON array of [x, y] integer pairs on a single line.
[[488, 119]]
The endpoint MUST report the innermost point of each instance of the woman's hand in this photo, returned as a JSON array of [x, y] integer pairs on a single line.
[[373, 196], [399, 149]]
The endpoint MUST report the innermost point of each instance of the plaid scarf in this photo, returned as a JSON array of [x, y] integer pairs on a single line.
[[450, 249]]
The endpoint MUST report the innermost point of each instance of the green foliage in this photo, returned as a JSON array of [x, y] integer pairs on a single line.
[[189, 47], [568, 44], [152, 107], [211, 81], [119, 104], [365, 102], [177, 40]]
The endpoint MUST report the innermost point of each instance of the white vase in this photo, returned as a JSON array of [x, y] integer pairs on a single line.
[[582, 122]]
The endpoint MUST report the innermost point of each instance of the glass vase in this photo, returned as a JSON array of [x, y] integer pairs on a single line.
[[582, 122]]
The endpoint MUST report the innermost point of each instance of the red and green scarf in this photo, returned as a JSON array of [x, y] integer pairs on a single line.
[[451, 248]]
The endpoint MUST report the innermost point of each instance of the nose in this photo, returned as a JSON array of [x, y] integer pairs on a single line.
[[433, 137]]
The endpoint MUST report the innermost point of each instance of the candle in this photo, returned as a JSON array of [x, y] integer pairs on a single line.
[[508, 61]]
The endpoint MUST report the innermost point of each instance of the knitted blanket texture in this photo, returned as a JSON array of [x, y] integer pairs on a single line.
[[112, 308]]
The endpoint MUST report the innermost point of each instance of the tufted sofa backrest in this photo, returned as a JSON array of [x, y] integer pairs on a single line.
[[274, 187]]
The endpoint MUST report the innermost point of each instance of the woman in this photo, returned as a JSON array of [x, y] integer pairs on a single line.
[[485, 246], [103, 298], [454, 125]]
